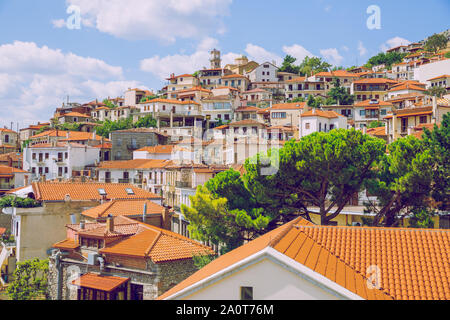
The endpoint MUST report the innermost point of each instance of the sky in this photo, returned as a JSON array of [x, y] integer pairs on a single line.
[[123, 44]]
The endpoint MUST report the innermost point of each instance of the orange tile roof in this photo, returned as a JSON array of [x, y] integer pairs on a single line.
[[51, 133], [407, 86], [247, 109], [298, 79], [67, 244], [440, 77], [83, 136], [321, 113], [7, 130], [197, 88], [374, 80], [337, 73], [99, 282], [246, 122], [134, 164], [56, 191], [288, 106], [123, 208], [158, 244], [235, 75], [379, 131], [230, 88], [10, 170], [171, 101], [74, 114], [367, 103], [162, 149], [414, 263], [290, 241]]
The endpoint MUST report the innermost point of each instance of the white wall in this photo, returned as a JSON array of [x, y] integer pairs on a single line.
[[431, 70], [284, 286]]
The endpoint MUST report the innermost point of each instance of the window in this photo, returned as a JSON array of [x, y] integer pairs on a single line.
[[66, 155], [246, 293], [33, 156], [6, 138], [362, 113], [66, 170], [60, 156], [46, 156], [40, 170], [119, 142], [33, 170], [383, 112], [423, 119], [320, 126], [46, 169], [307, 125]]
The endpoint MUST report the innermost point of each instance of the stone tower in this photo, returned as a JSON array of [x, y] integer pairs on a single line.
[[215, 59]]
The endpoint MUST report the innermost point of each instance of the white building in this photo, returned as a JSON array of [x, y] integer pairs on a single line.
[[58, 159], [320, 121], [265, 72]]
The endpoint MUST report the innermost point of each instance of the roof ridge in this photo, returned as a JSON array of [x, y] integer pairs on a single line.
[[382, 290], [374, 228], [281, 234], [110, 204], [147, 252]]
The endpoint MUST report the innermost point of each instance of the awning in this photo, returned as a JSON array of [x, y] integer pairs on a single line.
[[98, 282]]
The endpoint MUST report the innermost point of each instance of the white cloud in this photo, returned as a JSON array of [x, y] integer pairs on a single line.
[[298, 52], [261, 55], [394, 42], [332, 56], [155, 19], [34, 81], [60, 23], [362, 50]]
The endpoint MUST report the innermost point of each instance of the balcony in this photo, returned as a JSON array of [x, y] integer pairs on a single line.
[[182, 184], [124, 180], [108, 180], [137, 181], [6, 186]]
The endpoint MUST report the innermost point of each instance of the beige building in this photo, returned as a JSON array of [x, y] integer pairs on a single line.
[[181, 82]]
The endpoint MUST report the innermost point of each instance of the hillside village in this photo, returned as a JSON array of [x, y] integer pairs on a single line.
[[102, 185]]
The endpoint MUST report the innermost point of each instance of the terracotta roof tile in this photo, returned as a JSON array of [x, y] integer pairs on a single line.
[[99, 282], [56, 191], [135, 164], [321, 113], [123, 208], [162, 149]]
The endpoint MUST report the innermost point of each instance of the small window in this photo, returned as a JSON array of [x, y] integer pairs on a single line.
[[307, 126], [102, 192], [129, 191], [246, 293]]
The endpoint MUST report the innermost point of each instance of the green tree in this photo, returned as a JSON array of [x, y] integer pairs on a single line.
[[338, 94], [201, 260], [29, 280], [421, 218], [17, 202], [388, 59], [436, 91], [376, 124], [288, 65], [146, 122], [298, 99], [436, 42], [447, 55], [322, 170], [402, 183], [438, 144], [315, 64], [109, 104], [211, 219]]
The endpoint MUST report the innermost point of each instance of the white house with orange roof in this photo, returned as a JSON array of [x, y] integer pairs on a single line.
[[265, 72], [305, 265], [286, 114], [13, 178], [370, 110], [406, 87], [180, 82], [344, 77], [237, 81], [303, 87], [440, 81], [316, 120], [59, 160]]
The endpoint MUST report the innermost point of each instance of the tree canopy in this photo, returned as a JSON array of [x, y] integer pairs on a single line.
[[436, 42], [338, 94], [30, 280], [388, 59], [108, 126]]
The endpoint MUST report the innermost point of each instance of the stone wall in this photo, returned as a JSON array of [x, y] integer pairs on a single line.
[[172, 273], [5, 220], [155, 279], [143, 139]]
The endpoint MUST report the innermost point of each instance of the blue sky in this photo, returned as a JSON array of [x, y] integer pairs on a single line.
[[131, 43]]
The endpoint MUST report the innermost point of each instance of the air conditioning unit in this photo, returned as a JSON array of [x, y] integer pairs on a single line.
[[92, 259]]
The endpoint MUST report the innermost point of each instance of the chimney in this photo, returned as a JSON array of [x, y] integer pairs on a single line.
[[110, 223], [144, 213], [434, 116], [166, 218]]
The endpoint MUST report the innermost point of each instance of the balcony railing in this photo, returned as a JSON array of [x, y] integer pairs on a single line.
[[124, 180], [108, 180], [6, 186], [137, 181]]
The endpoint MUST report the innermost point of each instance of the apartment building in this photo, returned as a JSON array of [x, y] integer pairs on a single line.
[[302, 87], [370, 110], [286, 114], [265, 72], [9, 141], [374, 88], [181, 82], [125, 142], [236, 81], [59, 160], [316, 120]]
